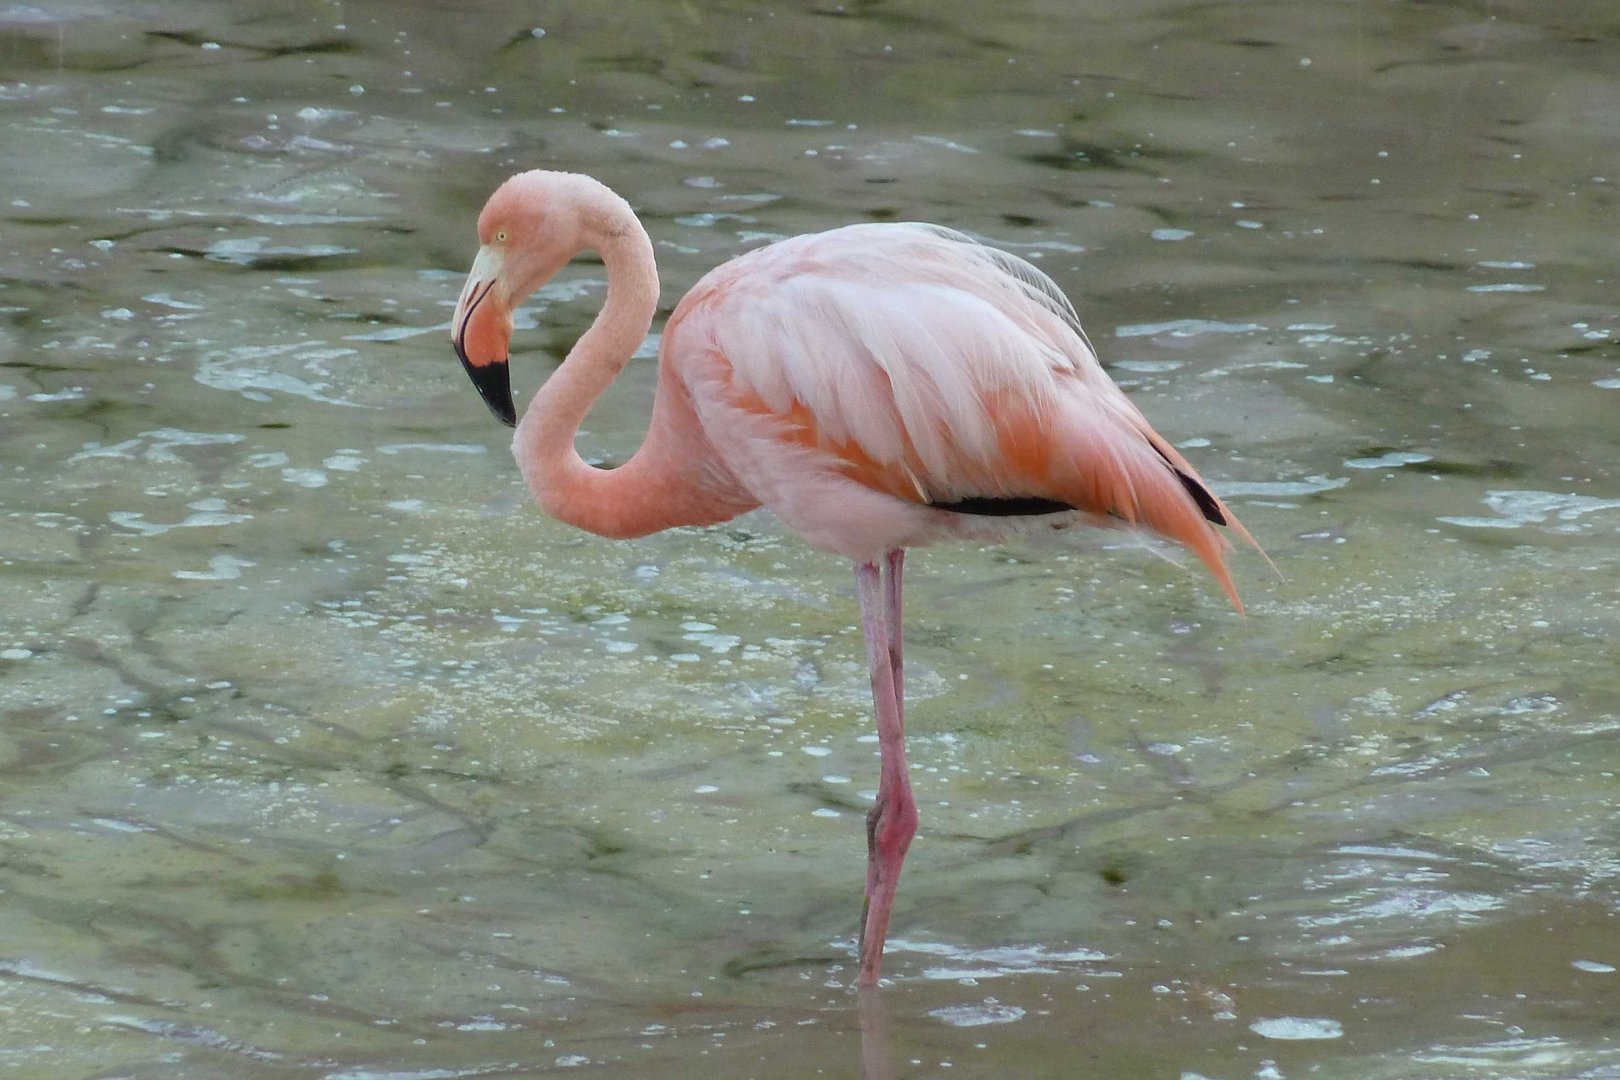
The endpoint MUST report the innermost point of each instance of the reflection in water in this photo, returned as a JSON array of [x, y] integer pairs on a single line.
[[877, 1060], [323, 756]]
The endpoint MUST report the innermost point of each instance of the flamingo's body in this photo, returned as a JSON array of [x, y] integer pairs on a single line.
[[876, 386]]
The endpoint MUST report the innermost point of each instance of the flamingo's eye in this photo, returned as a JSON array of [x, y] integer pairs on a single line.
[[500, 236]]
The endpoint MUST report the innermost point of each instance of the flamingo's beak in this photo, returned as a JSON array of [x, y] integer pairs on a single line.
[[481, 330]]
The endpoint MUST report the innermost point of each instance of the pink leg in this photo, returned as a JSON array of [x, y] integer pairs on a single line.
[[892, 622], [893, 818], [897, 562]]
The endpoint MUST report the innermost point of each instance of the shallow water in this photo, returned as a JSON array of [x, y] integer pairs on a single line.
[[323, 755]]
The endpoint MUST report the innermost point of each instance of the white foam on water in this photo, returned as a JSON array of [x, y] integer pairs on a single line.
[[989, 1012], [1392, 460], [1185, 328], [1518, 508], [1276, 489], [220, 568], [1297, 1028]]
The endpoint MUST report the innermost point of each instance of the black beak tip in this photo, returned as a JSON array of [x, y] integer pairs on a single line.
[[496, 391], [494, 383]]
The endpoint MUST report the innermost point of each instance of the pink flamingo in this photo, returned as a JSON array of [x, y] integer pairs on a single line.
[[876, 386]]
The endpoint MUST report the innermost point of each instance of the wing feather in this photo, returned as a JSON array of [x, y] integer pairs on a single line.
[[935, 369]]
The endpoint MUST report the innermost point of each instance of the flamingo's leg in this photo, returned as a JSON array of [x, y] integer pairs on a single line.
[[891, 581], [893, 818], [894, 638]]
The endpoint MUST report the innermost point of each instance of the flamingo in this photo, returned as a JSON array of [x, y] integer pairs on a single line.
[[877, 386]]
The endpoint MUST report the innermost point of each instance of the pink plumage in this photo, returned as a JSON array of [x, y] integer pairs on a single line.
[[877, 386]]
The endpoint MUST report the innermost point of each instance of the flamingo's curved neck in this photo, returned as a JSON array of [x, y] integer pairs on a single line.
[[642, 495]]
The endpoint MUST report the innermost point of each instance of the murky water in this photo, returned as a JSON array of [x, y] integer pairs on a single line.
[[323, 755]]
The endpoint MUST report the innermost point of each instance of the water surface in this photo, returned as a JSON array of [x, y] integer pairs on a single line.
[[325, 755]]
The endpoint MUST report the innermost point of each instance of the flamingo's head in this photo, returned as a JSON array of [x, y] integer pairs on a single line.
[[528, 230]]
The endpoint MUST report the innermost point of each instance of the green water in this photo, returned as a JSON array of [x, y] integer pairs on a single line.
[[322, 754]]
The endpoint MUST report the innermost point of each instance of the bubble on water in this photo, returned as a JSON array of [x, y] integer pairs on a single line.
[[1391, 851], [1172, 234], [715, 643], [396, 333], [958, 961], [1393, 460], [1185, 328], [1407, 952], [209, 513], [164, 299], [989, 1012], [484, 1023], [192, 1035], [71, 393], [1547, 1050], [240, 370], [220, 568], [163, 443], [304, 478], [1297, 1027], [937, 140], [1518, 508], [1480, 522], [437, 448], [409, 1074], [709, 220], [1311, 485], [1596, 967], [119, 825], [1150, 367], [251, 250]]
